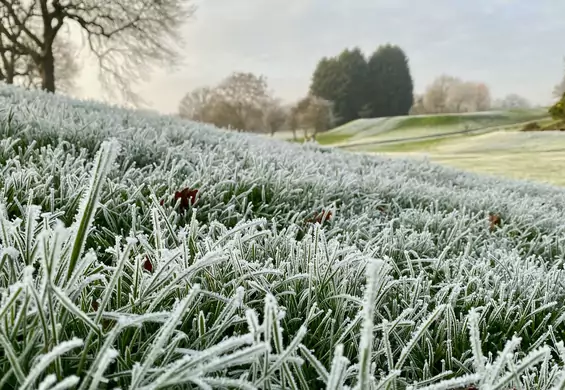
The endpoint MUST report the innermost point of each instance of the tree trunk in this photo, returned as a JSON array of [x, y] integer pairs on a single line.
[[48, 71]]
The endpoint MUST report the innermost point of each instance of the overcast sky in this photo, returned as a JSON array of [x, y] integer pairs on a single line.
[[512, 45]]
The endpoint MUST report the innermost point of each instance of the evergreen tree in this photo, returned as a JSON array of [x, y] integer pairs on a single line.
[[391, 89], [342, 80], [328, 82], [354, 66]]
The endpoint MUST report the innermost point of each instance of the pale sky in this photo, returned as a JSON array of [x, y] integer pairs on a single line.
[[514, 46]]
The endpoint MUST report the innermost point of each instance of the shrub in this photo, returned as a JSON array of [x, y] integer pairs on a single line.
[[557, 111], [531, 126]]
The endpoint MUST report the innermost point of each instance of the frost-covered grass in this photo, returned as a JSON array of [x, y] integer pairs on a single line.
[[405, 285]]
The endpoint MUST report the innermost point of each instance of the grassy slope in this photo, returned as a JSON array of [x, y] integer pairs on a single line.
[[246, 267], [386, 129], [538, 156]]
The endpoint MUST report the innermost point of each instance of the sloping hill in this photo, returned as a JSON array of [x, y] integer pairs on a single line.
[[393, 129], [535, 155], [143, 251]]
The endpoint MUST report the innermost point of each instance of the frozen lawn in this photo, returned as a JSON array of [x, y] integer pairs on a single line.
[[145, 252]]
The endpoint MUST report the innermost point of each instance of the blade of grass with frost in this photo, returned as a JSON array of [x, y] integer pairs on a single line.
[[69, 382], [237, 229], [108, 356], [314, 362], [122, 257], [417, 335], [16, 290], [101, 353], [375, 269], [83, 264], [279, 348], [216, 350], [528, 362], [158, 210], [225, 318], [73, 309], [157, 234], [45, 360], [217, 383], [104, 160], [269, 316], [494, 371], [338, 369], [192, 361], [210, 259], [437, 378], [560, 383], [31, 218], [293, 346], [42, 318], [243, 356], [448, 384], [21, 313], [163, 335], [6, 226], [50, 383], [12, 358], [479, 360], [387, 380]]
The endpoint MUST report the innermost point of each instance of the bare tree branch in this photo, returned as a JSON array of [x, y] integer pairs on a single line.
[[127, 37]]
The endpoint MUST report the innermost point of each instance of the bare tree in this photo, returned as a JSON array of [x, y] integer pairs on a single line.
[[449, 94], [436, 96], [293, 121], [17, 67], [418, 106], [198, 105], [67, 68], [461, 97], [468, 96], [242, 99], [314, 115], [512, 101], [127, 37], [241, 102], [274, 116], [12, 63], [483, 99]]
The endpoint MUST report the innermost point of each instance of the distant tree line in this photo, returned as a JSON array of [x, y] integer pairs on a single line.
[[342, 89], [378, 86], [448, 94], [243, 102]]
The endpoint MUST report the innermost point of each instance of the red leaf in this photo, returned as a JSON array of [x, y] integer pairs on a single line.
[[162, 202], [321, 217], [494, 221], [187, 196], [147, 265]]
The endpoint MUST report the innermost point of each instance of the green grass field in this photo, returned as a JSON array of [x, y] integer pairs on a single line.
[[364, 131], [537, 156], [497, 146]]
